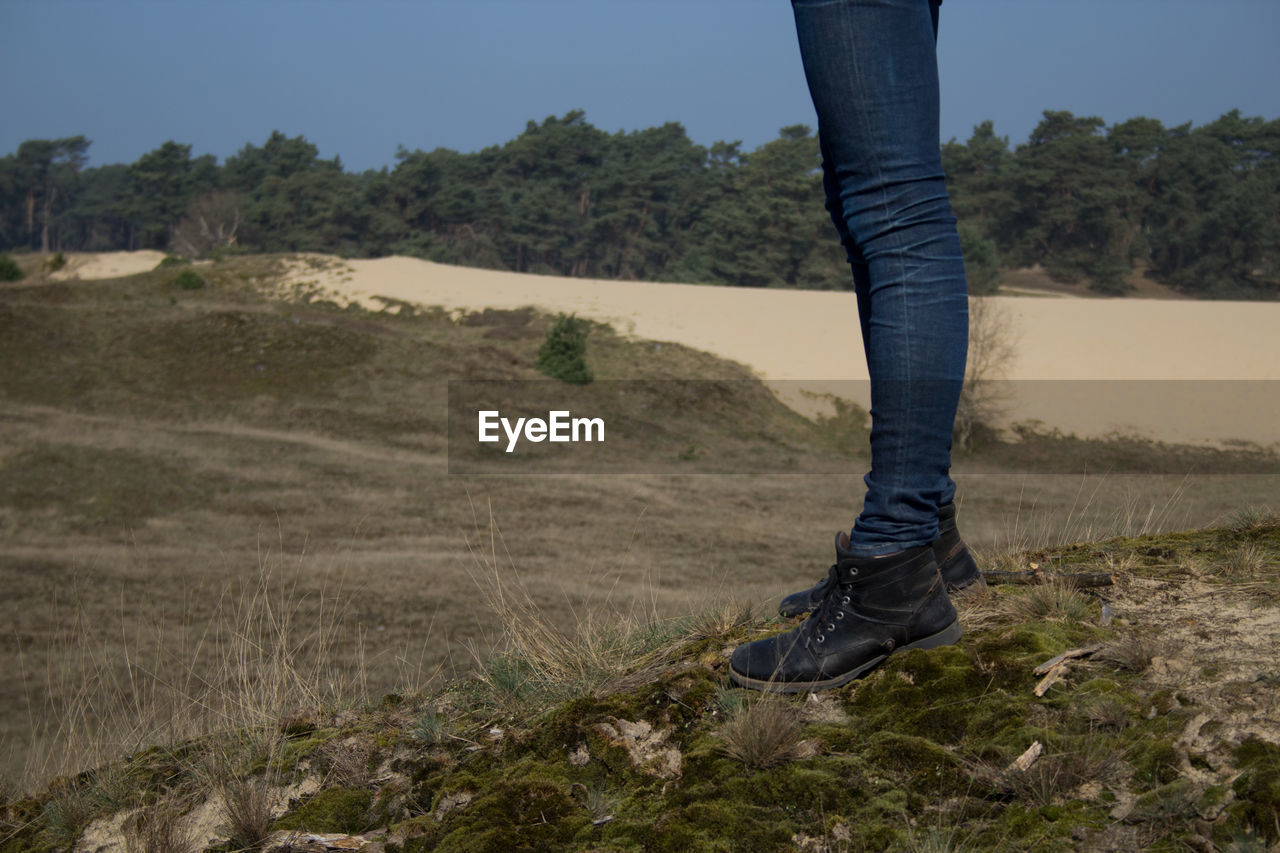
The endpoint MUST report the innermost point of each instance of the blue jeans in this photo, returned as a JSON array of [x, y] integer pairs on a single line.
[[872, 70]]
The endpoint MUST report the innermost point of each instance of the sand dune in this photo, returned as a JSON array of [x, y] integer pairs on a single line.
[[1176, 370], [92, 265], [809, 341]]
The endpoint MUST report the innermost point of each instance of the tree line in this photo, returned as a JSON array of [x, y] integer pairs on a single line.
[[1197, 208]]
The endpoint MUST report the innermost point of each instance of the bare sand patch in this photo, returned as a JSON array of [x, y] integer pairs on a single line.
[[96, 265], [1089, 366]]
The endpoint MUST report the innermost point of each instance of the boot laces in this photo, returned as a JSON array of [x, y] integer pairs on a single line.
[[822, 621]]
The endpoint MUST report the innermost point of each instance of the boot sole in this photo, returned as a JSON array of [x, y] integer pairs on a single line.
[[946, 637]]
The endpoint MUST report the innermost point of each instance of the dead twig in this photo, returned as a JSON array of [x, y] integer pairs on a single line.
[[1070, 654], [1035, 576], [1056, 668], [1023, 762]]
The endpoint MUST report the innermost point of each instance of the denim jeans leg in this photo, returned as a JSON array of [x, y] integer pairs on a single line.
[[872, 70]]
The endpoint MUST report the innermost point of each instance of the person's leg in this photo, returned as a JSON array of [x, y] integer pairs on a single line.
[[873, 75], [872, 72]]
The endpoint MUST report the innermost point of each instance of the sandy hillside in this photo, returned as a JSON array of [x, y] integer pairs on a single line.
[[809, 340], [91, 265], [1187, 370]]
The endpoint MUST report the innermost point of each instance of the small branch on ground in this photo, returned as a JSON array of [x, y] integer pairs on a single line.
[[1035, 576]]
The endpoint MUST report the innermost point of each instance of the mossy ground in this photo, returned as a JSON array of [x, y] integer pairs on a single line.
[[1138, 750]]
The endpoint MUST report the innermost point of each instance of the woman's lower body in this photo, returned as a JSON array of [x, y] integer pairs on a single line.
[[872, 70]]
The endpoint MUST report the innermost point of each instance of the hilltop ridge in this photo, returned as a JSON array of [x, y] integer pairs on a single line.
[[1163, 734]]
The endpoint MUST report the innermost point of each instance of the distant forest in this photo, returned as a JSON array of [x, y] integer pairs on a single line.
[[1196, 208]]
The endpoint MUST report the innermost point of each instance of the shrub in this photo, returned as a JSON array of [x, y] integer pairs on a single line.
[[189, 280], [9, 269], [55, 262], [563, 353], [172, 261]]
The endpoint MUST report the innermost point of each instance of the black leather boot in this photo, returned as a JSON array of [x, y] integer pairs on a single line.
[[872, 607], [954, 560]]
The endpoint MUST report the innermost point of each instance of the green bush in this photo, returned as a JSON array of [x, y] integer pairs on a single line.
[[9, 269], [55, 262], [563, 353], [172, 261], [189, 280]]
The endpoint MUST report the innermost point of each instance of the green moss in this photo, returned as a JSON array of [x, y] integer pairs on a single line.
[[944, 696], [1257, 790], [1169, 802], [332, 810], [712, 825], [1154, 761], [917, 764], [292, 751], [527, 807], [22, 828]]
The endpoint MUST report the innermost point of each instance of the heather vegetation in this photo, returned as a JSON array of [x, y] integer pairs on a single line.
[[1195, 208], [249, 602]]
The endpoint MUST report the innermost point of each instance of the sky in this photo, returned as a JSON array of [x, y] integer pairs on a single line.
[[359, 78]]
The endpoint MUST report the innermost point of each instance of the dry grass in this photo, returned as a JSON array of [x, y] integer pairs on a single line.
[[1250, 518], [1106, 714], [1245, 561], [267, 648], [1054, 777], [346, 762], [720, 621], [762, 733], [247, 806], [161, 828], [122, 606], [539, 661], [1056, 599], [242, 771], [1095, 508], [1135, 651]]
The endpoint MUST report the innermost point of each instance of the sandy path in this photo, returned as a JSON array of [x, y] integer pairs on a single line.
[[810, 339]]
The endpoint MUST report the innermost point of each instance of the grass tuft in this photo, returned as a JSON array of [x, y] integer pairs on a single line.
[[1055, 599], [762, 734], [721, 622], [1244, 561], [1053, 777], [1134, 652], [247, 809], [539, 663], [161, 828], [1251, 518], [430, 727]]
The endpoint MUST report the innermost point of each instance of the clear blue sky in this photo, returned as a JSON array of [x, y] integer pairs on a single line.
[[359, 77]]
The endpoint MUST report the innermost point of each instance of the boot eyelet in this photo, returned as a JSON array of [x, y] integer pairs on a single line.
[[844, 600], [840, 615], [853, 573], [831, 627], [821, 639]]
